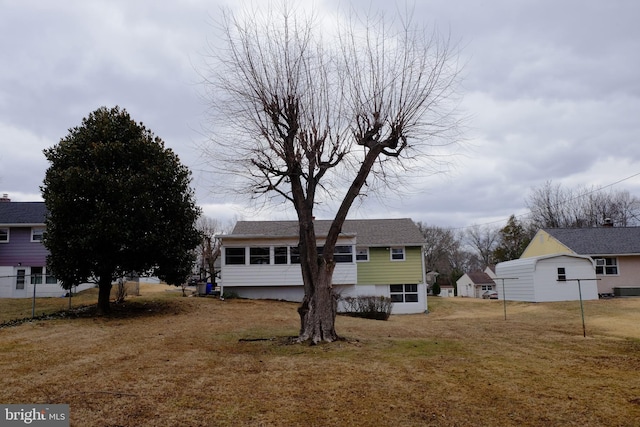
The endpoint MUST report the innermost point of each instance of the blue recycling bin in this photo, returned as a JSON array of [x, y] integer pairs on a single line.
[[209, 288]]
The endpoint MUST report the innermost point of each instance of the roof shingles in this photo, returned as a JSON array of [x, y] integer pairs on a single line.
[[599, 241], [369, 232], [22, 213]]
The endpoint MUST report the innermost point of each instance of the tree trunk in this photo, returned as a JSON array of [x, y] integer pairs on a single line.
[[318, 309], [104, 293]]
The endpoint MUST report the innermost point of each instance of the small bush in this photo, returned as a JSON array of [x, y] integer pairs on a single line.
[[368, 307]]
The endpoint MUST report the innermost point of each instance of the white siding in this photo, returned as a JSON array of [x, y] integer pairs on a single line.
[[537, 279], [280, 275]]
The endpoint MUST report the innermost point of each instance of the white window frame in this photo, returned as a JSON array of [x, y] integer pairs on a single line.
[[244, 249], [257, 258], [391, 253], [405, 292], [602, 263], [362, 251], [37, 231], [7, 233]]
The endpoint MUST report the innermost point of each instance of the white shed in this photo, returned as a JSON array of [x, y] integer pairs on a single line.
[[547, 278]]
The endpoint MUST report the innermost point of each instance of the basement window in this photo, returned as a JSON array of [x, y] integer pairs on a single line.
[[404, 293]]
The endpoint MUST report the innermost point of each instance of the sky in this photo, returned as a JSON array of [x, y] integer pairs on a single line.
[[551, 92]]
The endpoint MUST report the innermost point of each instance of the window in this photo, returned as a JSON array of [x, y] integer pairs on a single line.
[[37, 234], [280, 255], [362, 254], [343, 254], [49, 278], [259, 255], [20, 279], [397, 254], [562, 274], [294, 255], [403, 293], [234, 256], [607, 266], [36, 275], [4, 235], [486, 287]]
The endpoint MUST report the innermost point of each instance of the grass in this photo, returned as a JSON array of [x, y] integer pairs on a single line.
[[166, 360]]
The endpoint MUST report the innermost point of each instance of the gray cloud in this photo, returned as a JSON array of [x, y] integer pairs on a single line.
[[551, 89]]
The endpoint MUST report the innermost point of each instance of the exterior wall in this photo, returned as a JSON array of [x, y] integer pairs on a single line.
[[284, 281], [628, 275], [548, 288], [468, 289], [537, 279], [381, 270], [520, 289], [544, 244], [465, 286], [383, 290], [279, 275], [21, 250], [8, 285]]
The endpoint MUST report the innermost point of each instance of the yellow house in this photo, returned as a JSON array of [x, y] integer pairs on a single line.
[[615, 251]]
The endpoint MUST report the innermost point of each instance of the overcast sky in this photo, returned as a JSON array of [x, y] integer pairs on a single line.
[[552, 89]]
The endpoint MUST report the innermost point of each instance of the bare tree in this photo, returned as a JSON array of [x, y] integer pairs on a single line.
[[483, 240], [312, 116], [553, 206], [209, 247]]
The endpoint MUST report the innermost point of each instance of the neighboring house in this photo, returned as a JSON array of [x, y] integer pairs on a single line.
[[547, 278], [373, 257], [446, 291], [474, 284], [614, 250], [22, 255]]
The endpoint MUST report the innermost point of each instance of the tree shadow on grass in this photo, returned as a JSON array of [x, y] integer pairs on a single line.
[[125, 310]]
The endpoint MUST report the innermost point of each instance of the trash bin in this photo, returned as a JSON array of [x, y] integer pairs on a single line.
[[209, 287]]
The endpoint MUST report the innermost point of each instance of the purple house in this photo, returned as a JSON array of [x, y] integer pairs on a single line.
[[23, 256]]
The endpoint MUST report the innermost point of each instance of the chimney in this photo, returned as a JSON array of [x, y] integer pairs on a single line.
[[5, 198], [607, 223]]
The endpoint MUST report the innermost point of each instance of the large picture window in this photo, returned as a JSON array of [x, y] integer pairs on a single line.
[[404, 293], [607, 266], [234, 256]]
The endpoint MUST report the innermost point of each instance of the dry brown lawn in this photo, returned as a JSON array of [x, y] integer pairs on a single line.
[[165, 360]]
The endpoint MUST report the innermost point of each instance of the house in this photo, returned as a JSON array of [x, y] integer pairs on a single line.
[[615, 251], [22, 254], [373, 257], [547, 278], [474, 284]]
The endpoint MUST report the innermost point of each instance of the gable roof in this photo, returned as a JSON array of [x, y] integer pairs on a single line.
[[369, 232], [22, 213], [599, 241], [480, 277]]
